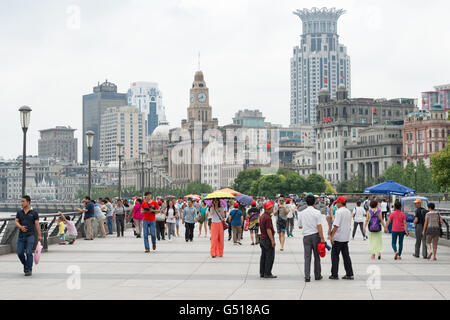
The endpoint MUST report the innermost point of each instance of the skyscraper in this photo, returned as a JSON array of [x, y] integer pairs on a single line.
[[147, 97], [94, 105], [121, 124], [319, 62], [58, 143]]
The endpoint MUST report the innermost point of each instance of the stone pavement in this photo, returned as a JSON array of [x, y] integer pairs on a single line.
[[118, 268]]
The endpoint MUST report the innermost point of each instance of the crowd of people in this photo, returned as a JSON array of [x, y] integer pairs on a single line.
[[160, 220]]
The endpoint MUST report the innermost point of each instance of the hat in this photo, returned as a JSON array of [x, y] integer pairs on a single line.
[[288, 200], [268, 205], [236, 205], [321, 249], [253, 203], [342, 200], [418, 201], [160, 202]]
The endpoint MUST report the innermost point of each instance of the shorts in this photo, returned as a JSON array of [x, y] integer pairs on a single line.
[[61, 236], [69, 237], [281, 226], [209, 222]]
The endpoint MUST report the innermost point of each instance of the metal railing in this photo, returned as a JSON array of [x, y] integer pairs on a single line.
[[49, 229]]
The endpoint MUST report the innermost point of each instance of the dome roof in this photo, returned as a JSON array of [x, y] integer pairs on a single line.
[[324, 91], [342, 87], [161, 131]]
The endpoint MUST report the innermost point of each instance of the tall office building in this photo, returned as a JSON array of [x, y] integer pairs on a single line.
[[319, 62], [94, 105], [58, 143], [125, 125], [148, 99]]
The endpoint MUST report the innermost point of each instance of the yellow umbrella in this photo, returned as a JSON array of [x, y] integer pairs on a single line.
[[219, 195], [228, 190]]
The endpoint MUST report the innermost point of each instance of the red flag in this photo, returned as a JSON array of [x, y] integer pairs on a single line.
[[424, 102], [374, 111], [269, 146], [325, 80], [342, 76]]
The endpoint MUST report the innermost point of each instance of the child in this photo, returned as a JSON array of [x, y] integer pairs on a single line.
[[61, 231], [72, 233]]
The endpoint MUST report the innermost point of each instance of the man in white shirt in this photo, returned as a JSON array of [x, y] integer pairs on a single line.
[[290, 217], [340, 236], [384, 209], [310, 220], [359, 216]]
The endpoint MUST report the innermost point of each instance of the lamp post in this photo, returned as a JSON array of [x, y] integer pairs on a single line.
[[25, 113], [89, 143], [415, 179], [120, 146], [142, 155]]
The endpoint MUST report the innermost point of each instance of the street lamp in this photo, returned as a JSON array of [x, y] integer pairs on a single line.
[[415, 179], [25, 113], [90, 143], [120, 146], [142, 154]]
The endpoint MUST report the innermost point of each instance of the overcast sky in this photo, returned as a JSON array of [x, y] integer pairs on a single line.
[[49, 58]]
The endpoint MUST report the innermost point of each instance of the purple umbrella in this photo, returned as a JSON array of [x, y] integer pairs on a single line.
[[244, 199], [223, 203]]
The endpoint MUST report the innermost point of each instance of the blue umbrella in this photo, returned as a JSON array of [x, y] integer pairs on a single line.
[[390, 187], [244, 199]]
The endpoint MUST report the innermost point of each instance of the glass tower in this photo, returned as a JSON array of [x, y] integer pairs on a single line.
[[320, 61]]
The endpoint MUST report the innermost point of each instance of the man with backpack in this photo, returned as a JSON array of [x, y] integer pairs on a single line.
[[419, 221], [366, 204]]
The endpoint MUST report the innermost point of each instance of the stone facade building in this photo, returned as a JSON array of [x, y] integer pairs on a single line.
[[424, 134], [339, 123], [376, 149], [58, 144]]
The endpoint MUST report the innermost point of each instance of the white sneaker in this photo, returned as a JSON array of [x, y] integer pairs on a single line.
[[170, 240]]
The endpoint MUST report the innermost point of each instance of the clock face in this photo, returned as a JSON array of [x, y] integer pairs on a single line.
[[201, 97], [192, 98]]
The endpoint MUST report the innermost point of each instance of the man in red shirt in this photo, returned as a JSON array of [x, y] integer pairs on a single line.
[[149, 209], [267, 242]]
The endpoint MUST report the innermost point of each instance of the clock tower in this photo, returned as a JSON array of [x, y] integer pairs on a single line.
[[199, 108]]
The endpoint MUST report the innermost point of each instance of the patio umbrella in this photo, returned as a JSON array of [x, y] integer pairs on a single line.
[[390, 188], [192, 196], [219, 195], [244, 199], [228, 190]]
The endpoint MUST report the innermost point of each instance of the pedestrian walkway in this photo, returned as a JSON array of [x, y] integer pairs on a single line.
[[118, 268]]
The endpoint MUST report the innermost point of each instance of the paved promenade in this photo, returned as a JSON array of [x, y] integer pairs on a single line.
[[118, 268]]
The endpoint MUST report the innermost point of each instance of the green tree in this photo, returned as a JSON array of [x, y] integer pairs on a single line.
[[245, 179], [408, 176], [425, 183], [315, 183], [440, 167], [270, 185], [198, 188], [329, 188], [394, 173], [294, 182]]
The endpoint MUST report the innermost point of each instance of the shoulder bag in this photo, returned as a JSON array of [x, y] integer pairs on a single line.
[[224, 224]]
